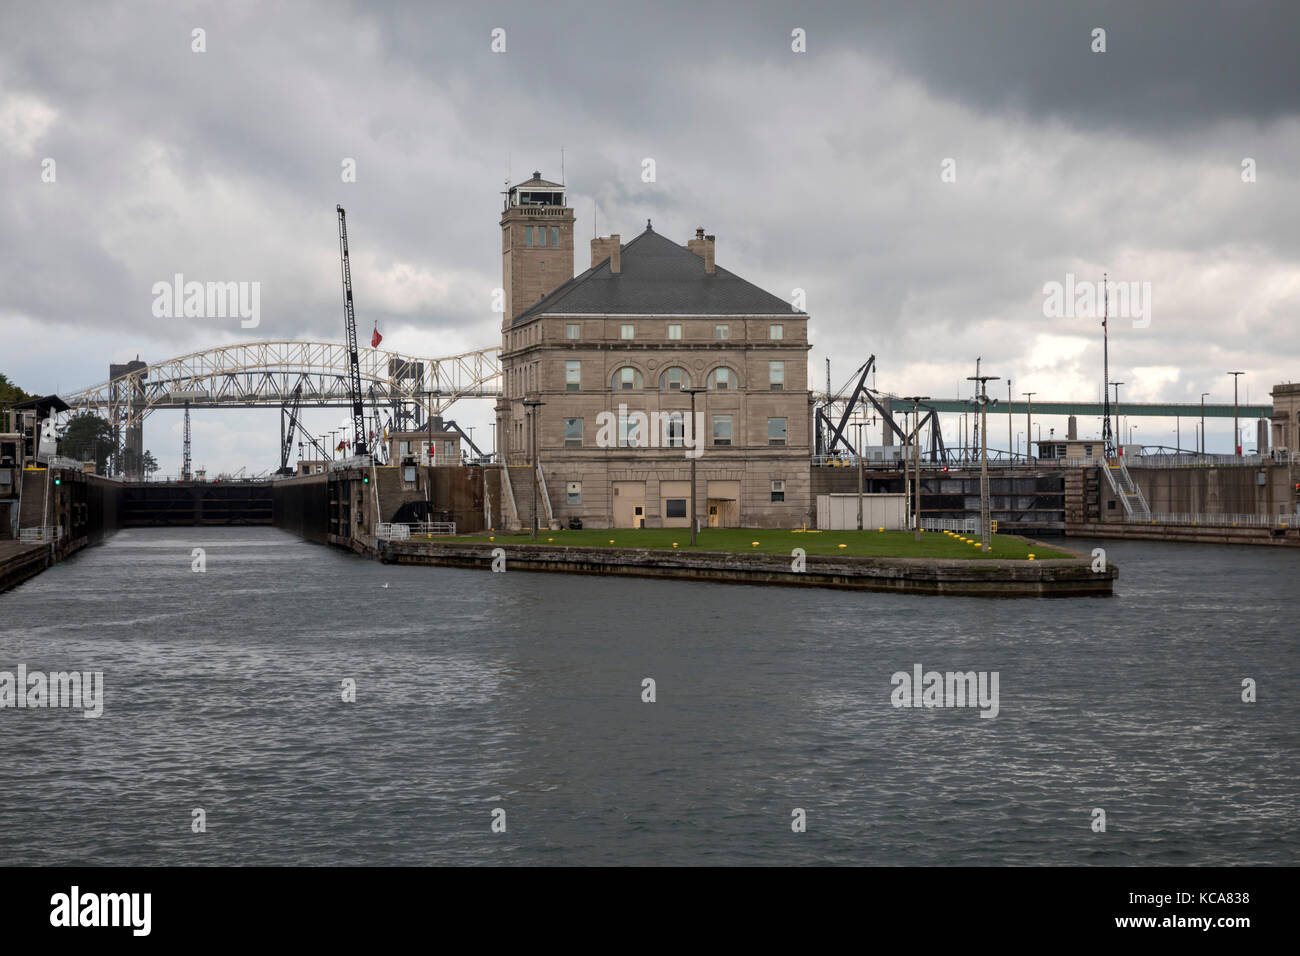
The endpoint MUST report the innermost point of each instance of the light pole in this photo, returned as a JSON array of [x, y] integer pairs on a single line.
[[1009, 425], [1018, 434], [1203, 394], [859, 424], [1236, 437], [982, 399], [532, 404], [916, 401], [1119, 430], [699, 439], [1029, 420]]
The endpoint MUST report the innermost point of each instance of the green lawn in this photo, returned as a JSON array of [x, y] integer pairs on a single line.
[[890, 544]]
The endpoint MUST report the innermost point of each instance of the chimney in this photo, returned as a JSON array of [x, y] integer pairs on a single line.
[[608, 247], [702, 246]]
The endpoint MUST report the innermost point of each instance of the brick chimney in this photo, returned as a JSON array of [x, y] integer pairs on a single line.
[[702, 246], [607, 247]]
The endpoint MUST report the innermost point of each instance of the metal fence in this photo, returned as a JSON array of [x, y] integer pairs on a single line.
[[40, 534], [1217, 520], [969, 525], [402, 531]]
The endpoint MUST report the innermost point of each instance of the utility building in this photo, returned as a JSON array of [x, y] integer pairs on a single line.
[[610, 354]]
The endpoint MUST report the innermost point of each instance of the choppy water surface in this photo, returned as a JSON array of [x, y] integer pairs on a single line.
[[523, 691]]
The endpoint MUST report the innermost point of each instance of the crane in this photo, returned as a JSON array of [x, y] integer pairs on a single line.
[[359, 444], [290, 411]]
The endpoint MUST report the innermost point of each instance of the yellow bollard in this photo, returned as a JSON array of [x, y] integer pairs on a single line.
[[1031, 557], [611, 540], [550, 539], [880, 529], [491, 538], [844, 546], [674, 544], [753, 544]]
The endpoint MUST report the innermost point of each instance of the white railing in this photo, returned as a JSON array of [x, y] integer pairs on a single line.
[[1280, 457], [39, 534], [404, 531], [1217, 520], [969, 525]]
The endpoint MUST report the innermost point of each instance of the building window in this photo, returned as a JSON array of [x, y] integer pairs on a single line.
[[627, 378], [676, 429], [528, 235], [674, 507], [572, 376], [675, 379], [722, 331], [721, 379], [573, 493], [627, 332], [776, 331], [403, 448], [555, 235], [1087, 451], [573, 433], [408, 474], [572, 330], [629, 430], [541, 235], [778, 491], [776, 431], [722, 429], [776, 375], [675, 332]]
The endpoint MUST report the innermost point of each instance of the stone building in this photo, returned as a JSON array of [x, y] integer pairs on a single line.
[[1286, 418], [611, 355]]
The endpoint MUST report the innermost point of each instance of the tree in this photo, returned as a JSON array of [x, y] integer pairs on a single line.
[[10, 394], [87, 437], [150, 464]]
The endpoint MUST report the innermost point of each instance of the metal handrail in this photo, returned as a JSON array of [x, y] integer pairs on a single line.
[[1216, 520]]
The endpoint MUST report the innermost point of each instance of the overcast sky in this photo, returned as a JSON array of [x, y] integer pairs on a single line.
[[820, 170]]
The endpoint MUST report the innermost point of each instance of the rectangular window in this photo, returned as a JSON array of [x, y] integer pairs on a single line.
[[403, 448], [555, 235], [674, 507], [573, 433], [629, 431], [573, 493], [722, 331], [776, 431], [778, 491], [572, 330], [675, 332], [541, 235], [449, 449], [776, 331], [676, 429], [627, 377], [627, 332], [722, 379], [528, 235], [776, 375], [572, 376], [722, 429], [673, 378]]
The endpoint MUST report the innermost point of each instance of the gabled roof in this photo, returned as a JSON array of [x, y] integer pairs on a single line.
[[658, 277], [538, 182]]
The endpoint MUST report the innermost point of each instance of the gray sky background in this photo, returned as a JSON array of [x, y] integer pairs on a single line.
[[818, 170]]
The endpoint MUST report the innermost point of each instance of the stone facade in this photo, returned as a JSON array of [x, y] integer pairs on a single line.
[[1286, 417], [597, 373]]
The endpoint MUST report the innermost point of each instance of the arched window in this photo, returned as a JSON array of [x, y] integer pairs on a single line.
[[627, 379], [723, 379], [675, 379]]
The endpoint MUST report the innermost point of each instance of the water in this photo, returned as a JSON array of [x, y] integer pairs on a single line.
[[522, 691]]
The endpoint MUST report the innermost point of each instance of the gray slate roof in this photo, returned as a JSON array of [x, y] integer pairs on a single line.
[[658, 277]]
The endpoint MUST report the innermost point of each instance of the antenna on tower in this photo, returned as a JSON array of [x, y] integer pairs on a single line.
[[562, 166]]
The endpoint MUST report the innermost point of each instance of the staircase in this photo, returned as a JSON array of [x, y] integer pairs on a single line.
[[1126, 489], [519, 482]]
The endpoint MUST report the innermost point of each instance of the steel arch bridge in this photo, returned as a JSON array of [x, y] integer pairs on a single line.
[[266, 374]]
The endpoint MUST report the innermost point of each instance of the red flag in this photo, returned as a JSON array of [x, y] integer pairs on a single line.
[[376, 338]]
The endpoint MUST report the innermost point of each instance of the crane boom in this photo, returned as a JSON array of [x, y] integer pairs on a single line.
[[359, 444]]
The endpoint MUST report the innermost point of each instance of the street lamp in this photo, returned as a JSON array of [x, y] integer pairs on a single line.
[[1029, 417], [532, 404], [1236, 436], [1018, 434], [859, 449], [1203, 394], [916, 401], [982, 400], [699, 439]]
